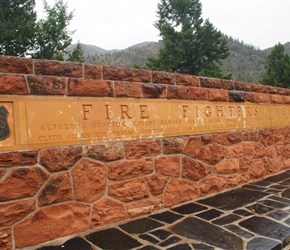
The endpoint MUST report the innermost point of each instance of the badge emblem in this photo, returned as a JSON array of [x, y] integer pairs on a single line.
[[4, 127]]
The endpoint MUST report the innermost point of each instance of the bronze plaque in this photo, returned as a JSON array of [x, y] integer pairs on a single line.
[[4, 126]]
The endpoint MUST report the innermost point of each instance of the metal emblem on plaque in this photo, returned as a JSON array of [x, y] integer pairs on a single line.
[[4, 127]]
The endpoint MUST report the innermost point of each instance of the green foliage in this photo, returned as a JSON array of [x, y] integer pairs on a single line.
[[77, 54], [277, 68], [53, 37], [17, 27], [191, 45]]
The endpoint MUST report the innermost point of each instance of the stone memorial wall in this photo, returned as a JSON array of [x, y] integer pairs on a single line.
[[84, 146]]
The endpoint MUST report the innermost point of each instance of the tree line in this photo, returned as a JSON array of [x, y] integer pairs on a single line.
[[191, 45]]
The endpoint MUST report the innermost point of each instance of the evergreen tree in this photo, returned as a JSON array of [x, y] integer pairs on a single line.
[[17, 27], [277, 68], [53, 37], [77, 54], [191, 45]]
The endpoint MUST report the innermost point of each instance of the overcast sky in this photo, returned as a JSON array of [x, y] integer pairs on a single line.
[[119, 24]]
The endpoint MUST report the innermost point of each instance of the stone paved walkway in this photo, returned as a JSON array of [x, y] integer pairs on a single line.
[[255, 216]]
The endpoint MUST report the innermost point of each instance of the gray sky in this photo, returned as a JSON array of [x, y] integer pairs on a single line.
[[118, 24]]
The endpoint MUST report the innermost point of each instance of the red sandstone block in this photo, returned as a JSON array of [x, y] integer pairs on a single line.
[[57, 189], [130, 190], [211, 154], [212, 184], [98, 88], [163, 77], [218, 95], [243, 86], [281, 91], [89, 180], [93, 71], [206, 139], [21, 158], [257, 170], [2, 172], [230, 166], [210, 82], [106, 212], [227, 84], [124, 89], [18, 65], [126, 74], [153, 91], [259, 88], [235, 151], [187, 80], [5, 239], [57, 68], [249, 97], [13, 85], [129, 169], [245, 163], [51, 223], [173, 145], [192, 146], [227, 139], [13, 212], [249, 148], [251, 136], [194, 170], [156, 184], [22, 183], [138, 149], [178, 92], [198, 93], [47, 85], [169, 166], [179, 191], [277, 99], [272, 90], [262, 98], [105, 152]]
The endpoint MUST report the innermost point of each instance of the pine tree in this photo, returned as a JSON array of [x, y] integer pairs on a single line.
[[53, 37], [277, 67], [191, 45], [77, 54], [17, 27]]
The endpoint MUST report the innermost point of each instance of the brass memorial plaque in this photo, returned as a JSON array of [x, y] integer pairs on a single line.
[[39, 122]]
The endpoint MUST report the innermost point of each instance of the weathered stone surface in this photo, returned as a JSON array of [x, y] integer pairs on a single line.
[[179, 191], [266, 137], [278, 136], [249, 148], [144, 207], [89, 181], [259, 151], [22, 183], [285, 151], [169, 166], [138, 149], [235, 151], [153, 91], [129, 169], [211, 154], [212, 184], [192, 146], [163, 77], [5, 239], [93, 71], [129, 190], [15, 211], [187, 80], [51, 223], [230, 166], [124, 89], [220, 95], [257, 169], [237, 180], [227, 139], [126, 74], [173, 145], [278, 164], [2, 172], [210, 82], [206, 139], [245, 163], [252, 136], [57, 68], [262, 98], [22, 158], [20, 65], [156, 184], [227, 84], [46, 85], [60, 159], [178, 92], [57, 189], [198, 93], [107, 211], [13, 85], [244, 86], [236, 96], [90, 87], [250, 97], [105, 152], [277, 99], [194, 170]]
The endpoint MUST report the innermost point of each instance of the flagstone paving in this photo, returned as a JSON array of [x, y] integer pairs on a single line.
[[255, 216]]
